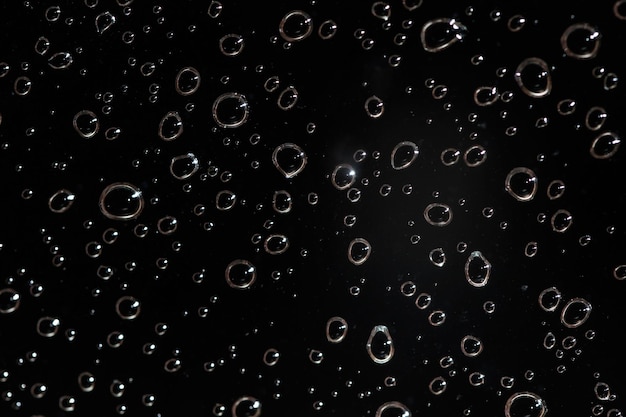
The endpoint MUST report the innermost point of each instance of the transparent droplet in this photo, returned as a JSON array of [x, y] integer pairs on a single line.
[[380, 345], [231, 44], [595, 118], [602, 391], [374, 107], [225, 200], [438, 385], [525, 404], [549, 299], [521, 184], [287, 98], [104, 21], [48, 326], [271, 84], [230, 110], [42, 45], [555, 190], [316, 356], [187, 81], [295, 26], [359, 251], [516, 23], [438, 214], [276, 244], [533, 77], [605, 145], [486, 96], [289, 159], [477, 269], [67, 403], [475, 156], [381, 10], [271, 356], [246, 406], [423, 300], [240, 274], [439, 34], [127, 307], [619, 273], [86, 123], [9, 300], [437, 318], [336, 329], [476, 379], [121, 201], [437, 257], [184, 166], [403, 155], [343, 176], [408, 288], [393, 409], [86, 381], [575, 312], [327, 29], [215, 9], [549, 341], [22, 85], [566, 107], [561, 220], [471, 346], [581, 41], [450, 156], [60, 60], [61, 201], [171, 126]]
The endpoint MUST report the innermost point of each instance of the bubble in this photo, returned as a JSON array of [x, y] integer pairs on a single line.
[[246, 406], [477, 269], [549, 299], [595, 118], [215, 9], [380, 345], [295, 26], [271, 356], [9, 300], [86, 123], [60, 60], [316, 356], [171, 126], [225, 200], [439, 34], [343, 176], [289, 159], [48, 326], [471, 346], [408, 288], [533, 77], [61, 201], [474, 156], [486, 96], [403, 155], [184, 166], [521, 184], [437, 257], [605, 145], [67, 403], [381, 10], [393, 409], [336, 329], [555, 190], [187, 81], [439, 91], [127, 307], [438, 214], [230, 110], [271, 84], [281, 202], [104, 21], [240, 274], [575, 313], [602, 391], [359, 251], [516, 23], [374, 107], [561, 220], [276, 244], [121, 201], [327, 29], [423, 300], [287, 98], [619, 273], [437, 318], [231, 44], [450, 156], [438, 385], [525, 404], [581, 41]]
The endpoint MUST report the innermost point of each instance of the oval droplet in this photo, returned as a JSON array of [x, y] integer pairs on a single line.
[[60, 60], [184, 166], [171, 126], [231, 44], [276, 244], [533, 77], [104, 21], [336, 329], [287, 98], [86, 123], [295, 26], [438, 214], [561, 220], [289, 159], [549, 299], [575, 313], [525, 404], [471, 346], [343, 176], [393, 409], [48, 326], [475, 156], [246, 406], [380, 345], [127, 307], [359, 251], [403, 155], [595, 118], [187, 81], [121, 201], [521, 184], [605, 145], [477, 269], [225, 200], [440, 34], [240, 274], [437, 257], [230, 110], [374, 107], [9, 300], [281, 201], [61, 201], [581, 41], [438, 385], [486, 96]]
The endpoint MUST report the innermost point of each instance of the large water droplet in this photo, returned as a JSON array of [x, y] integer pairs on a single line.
[[295, 26], [440, 34], [605, 145], [521, 184], [86, 123], [336, 329], [9, 300], [403, 155], [359, 251], [525, 404], [549, 299], [60, 60], [281, 201], [393, 409], [104, 21], [533, 77], [471, 346], [240, 274], [380, 345], [184, 166], [575, 312], [477, 269], [438, 214], [121, 201], [171, 126], [581, 41], [289, 159], [48, 326], [230, 110], [187, 81], [343, 176], [127, 307], [61, 201]]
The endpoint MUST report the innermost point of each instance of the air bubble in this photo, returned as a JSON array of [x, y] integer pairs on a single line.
[[127, 307], [379, 345], [437, 257], [240, 274], [450, 156]]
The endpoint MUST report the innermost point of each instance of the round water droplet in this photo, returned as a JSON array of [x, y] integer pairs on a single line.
[[171, 126], [187, 81], [437, 257], [438, 214], [327, 29], [471, 346], [437, 318], [380, 345], [42, 45], [336, 329], [121, 201], [343, 176], [22, 85], [602, 391], [516, 23], [439, 34], [450, 156], [231, 44], [486, 96], [561, 220], [184, 166], [281, 201], [555, 190], [403, 155], [575, 312], [225, 200], [581, 41], [9, 300], [477, 269], [276, 244], [605, 145], [287, 98], [60, 60], [230, 110], [359, 251], [271, 356], [86, 123], [61, 201], [393, 409], [476, 379], [240, 274], [86, 381], [289, 159], [521, 184], [566, 107], [127, 307], [525, 404], [475, 156], [619, 273], [423, 300], [533, 77], [295, 26], [595, 118], [438, 385], [549, 299], [48, 326], [374, 107]]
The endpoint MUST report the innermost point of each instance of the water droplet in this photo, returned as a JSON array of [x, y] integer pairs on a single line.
[[471, 346], [171, 126], [327, 29], [42, 45], [187, 81], [60, 60], [533, 77], [619, 273], [48, 326], [380, 345], [381, 10], [287, 98], [561, 220], [343, 176], [374, 107], [403, 155], [437, 318], [231, 44], [61, 201], [184, 166], [549, 299], [475, 156], [486, 96], [121, 201], [602, 391], [525, 404], [516, 23], [359, 251], [438, 385], [595, 118], [423, 300], [605, 145], [240, 274], [437, 257], [581, 41], [393, 409], [450, 156], [276, 244], [521, 184], [336, 329], [246, 406], [230, 110], [439, 34], [438, 214], [104, 21], [289, 159], [555, 190], [127, 307], [225, 200], [271, 356], [575, 312], [295, 26], [86, 381], [215, 9], [9, 300], [477, 269], [86, 123]]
